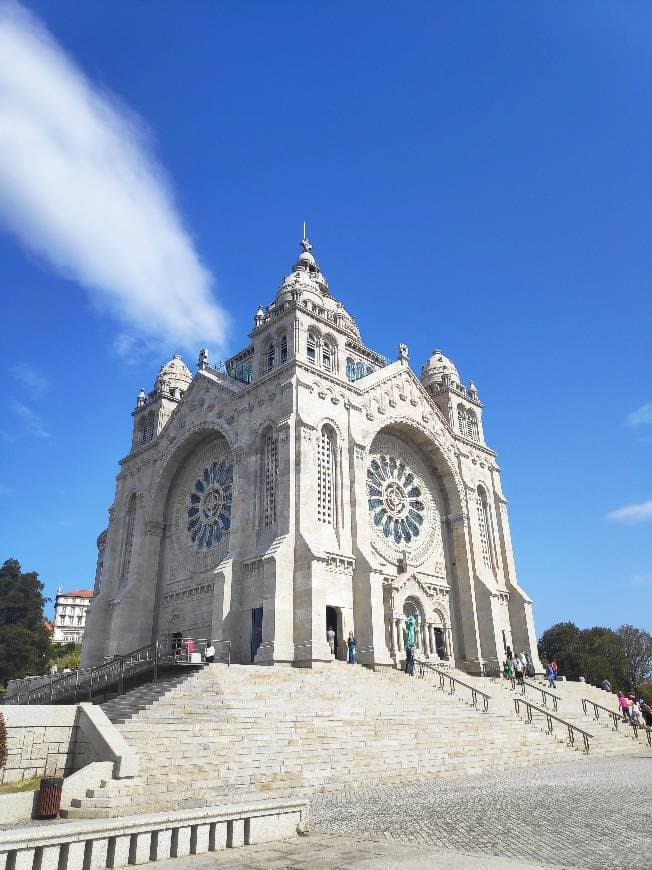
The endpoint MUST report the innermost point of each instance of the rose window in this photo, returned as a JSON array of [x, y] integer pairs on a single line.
[[395, 500], [209, 507]]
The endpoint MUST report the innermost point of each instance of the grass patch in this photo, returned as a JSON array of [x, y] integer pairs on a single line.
[[26, 785]]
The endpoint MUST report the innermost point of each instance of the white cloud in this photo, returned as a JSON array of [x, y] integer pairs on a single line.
[[641, 416], [642, 580], [79, 185], [632, 513], [30, 378], [30, 419]]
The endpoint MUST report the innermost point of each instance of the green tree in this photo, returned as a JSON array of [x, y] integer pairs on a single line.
[[562, 642], [601, 656], [64, 655], [637, 655], [24, 640]]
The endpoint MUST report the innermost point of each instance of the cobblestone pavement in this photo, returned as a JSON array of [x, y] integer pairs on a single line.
[[591, 814]]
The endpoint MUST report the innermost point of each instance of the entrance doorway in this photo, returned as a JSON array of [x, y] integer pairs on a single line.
[[439, 643], [256, 630], [332, 623]]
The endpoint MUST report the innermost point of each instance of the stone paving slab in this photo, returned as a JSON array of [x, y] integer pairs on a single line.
[[328, 851]]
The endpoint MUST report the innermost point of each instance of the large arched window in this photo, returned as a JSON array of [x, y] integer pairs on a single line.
[[326, 462], [127, 540], [484, 522], [472, 425], [350, 369], [270, 478], [284, 349]]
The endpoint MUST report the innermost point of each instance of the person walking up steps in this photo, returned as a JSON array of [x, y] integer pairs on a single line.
[[351, 645], [551, 676]]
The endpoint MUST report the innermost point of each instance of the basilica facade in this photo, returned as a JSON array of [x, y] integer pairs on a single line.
[[307, 484]]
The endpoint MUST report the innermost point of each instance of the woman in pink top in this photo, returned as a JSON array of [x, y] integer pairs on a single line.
[[623, 703]]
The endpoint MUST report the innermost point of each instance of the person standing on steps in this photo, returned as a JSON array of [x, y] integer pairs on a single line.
[[518, 670], [330, 637], [551, 676], [623, 703], [209, 654], [351, 646]]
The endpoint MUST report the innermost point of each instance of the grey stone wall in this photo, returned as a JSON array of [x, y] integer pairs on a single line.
[[43, 741]]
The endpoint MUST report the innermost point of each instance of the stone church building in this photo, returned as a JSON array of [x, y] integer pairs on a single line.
[[305, 484]]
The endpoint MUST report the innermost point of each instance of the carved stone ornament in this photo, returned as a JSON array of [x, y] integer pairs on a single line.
[[404, 503], [202, 508]]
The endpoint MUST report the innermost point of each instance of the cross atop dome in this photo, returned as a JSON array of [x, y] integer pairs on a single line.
[[305, 241]]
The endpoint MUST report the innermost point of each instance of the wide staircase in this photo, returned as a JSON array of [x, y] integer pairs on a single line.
[[245, 732], [605, 741]]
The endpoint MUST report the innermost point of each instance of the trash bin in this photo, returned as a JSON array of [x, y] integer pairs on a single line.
[[48, 801]]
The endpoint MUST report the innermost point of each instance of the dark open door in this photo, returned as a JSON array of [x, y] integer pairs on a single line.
[[256, 630]]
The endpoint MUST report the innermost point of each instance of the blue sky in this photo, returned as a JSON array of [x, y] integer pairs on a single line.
[[475, 177]]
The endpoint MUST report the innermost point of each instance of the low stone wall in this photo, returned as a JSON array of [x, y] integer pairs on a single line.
[[42, 741], [100, 843]]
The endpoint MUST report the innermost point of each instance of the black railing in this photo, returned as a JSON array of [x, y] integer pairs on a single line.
[[529, 707], [545, 694], [597, 708], [453, 682], [494, 672], [84, 683], [616, 718]]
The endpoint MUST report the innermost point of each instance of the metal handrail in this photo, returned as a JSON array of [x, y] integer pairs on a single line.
[[549, 717], [453, 682], [545, 694], [596, 711], [84, 683], [616, 718]]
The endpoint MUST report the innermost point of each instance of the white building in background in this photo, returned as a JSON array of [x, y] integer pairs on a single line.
[[306, 485], [70, 615]]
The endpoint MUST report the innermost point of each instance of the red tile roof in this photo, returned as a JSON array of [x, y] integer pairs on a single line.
[[78, 593]]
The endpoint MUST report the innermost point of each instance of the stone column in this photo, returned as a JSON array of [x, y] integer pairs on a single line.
[[399, 633], [392, 634], [431, 638]]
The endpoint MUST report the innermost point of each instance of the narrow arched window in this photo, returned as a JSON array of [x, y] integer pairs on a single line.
[[472, 425], [270, 479], [484, 522], [326, 477], [284, 349], [350, 369], [127, 540], [327, 356], [461, 420], [270, 357], [359, 371], [311, 348]]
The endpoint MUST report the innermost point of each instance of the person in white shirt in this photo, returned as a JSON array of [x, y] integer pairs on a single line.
[[330, 637], [209, 655]]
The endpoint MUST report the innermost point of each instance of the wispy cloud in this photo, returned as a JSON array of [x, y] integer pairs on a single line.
[[29, 419], [30, 377], [640, 417], [632, 513], [80, 186], [642, 580]]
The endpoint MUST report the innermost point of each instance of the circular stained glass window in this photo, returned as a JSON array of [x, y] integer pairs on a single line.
[[209, 506], [395, 499]]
